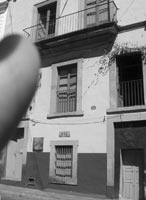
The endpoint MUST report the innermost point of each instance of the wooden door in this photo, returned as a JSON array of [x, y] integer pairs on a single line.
[[10, 160], [15, 156], [132, 174], [19, 158], [131, 182]]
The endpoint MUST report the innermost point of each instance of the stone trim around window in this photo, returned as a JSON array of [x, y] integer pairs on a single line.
[[78, 112], [52, 176], [113, 76]]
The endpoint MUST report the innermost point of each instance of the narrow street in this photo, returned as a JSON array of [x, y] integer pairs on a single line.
[[18, 193]]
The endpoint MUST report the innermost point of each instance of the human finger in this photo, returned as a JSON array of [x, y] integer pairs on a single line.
[[19, 69]]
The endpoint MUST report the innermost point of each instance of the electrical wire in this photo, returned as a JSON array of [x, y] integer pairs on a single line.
[[103, 120], [126, 9], [63, 8]]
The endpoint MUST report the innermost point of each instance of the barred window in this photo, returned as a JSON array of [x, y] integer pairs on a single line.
[[67, 88], [46, 19], [63, 162]]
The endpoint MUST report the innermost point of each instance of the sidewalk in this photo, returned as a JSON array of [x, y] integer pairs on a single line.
[[13, 192]]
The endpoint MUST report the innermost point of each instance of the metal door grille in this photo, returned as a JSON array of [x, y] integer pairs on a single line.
[[63, 163]]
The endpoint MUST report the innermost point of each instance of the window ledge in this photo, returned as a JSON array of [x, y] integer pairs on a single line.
[[68, 114], [66, 181], [131, 109]]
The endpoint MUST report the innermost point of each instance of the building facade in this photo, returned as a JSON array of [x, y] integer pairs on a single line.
[[80, 131], [126, 118]]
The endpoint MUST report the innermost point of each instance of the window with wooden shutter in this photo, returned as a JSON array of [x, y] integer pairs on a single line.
[[91, 12], [46, 20], [67, 88], [63, 162], [96, 11]]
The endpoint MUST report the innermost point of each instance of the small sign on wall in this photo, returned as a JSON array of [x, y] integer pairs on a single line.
[[38, 144], [64, 134]]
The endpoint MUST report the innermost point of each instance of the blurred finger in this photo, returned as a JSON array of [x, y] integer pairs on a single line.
[[19, 68]]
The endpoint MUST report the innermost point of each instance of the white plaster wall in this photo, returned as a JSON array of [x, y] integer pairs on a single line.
[[71, 7], [91, 137], [69, 23], [135, 38], [89, 130], [20, 16], [130, 11], [42, 97], [2, 23]]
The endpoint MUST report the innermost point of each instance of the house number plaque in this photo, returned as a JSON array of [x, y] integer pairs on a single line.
[[64, 134]]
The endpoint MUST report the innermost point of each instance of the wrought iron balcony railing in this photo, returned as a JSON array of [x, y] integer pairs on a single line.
[[130, 93], [66, 101], [80, 20]]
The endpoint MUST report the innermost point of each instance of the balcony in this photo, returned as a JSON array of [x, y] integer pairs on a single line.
[[130, 93], [80, 20], [86, 33]]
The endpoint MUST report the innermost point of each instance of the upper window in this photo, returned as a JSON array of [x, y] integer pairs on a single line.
[[67, 88], [130, 80], [46, 20], [96, 11]]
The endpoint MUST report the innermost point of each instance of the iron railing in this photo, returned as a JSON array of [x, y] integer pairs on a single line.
[[66, 101], [92, 16], [63, 161], [130, 93]]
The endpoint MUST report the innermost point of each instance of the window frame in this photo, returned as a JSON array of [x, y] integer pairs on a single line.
[[54, 84], [35, 20], [38, 140], [52, 177], [68, 84], [113, 77]]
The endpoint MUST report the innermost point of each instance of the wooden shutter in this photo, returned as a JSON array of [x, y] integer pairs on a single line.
[[67, 88], [103, 11], [91, 12], [63, 162], [96, 12]]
